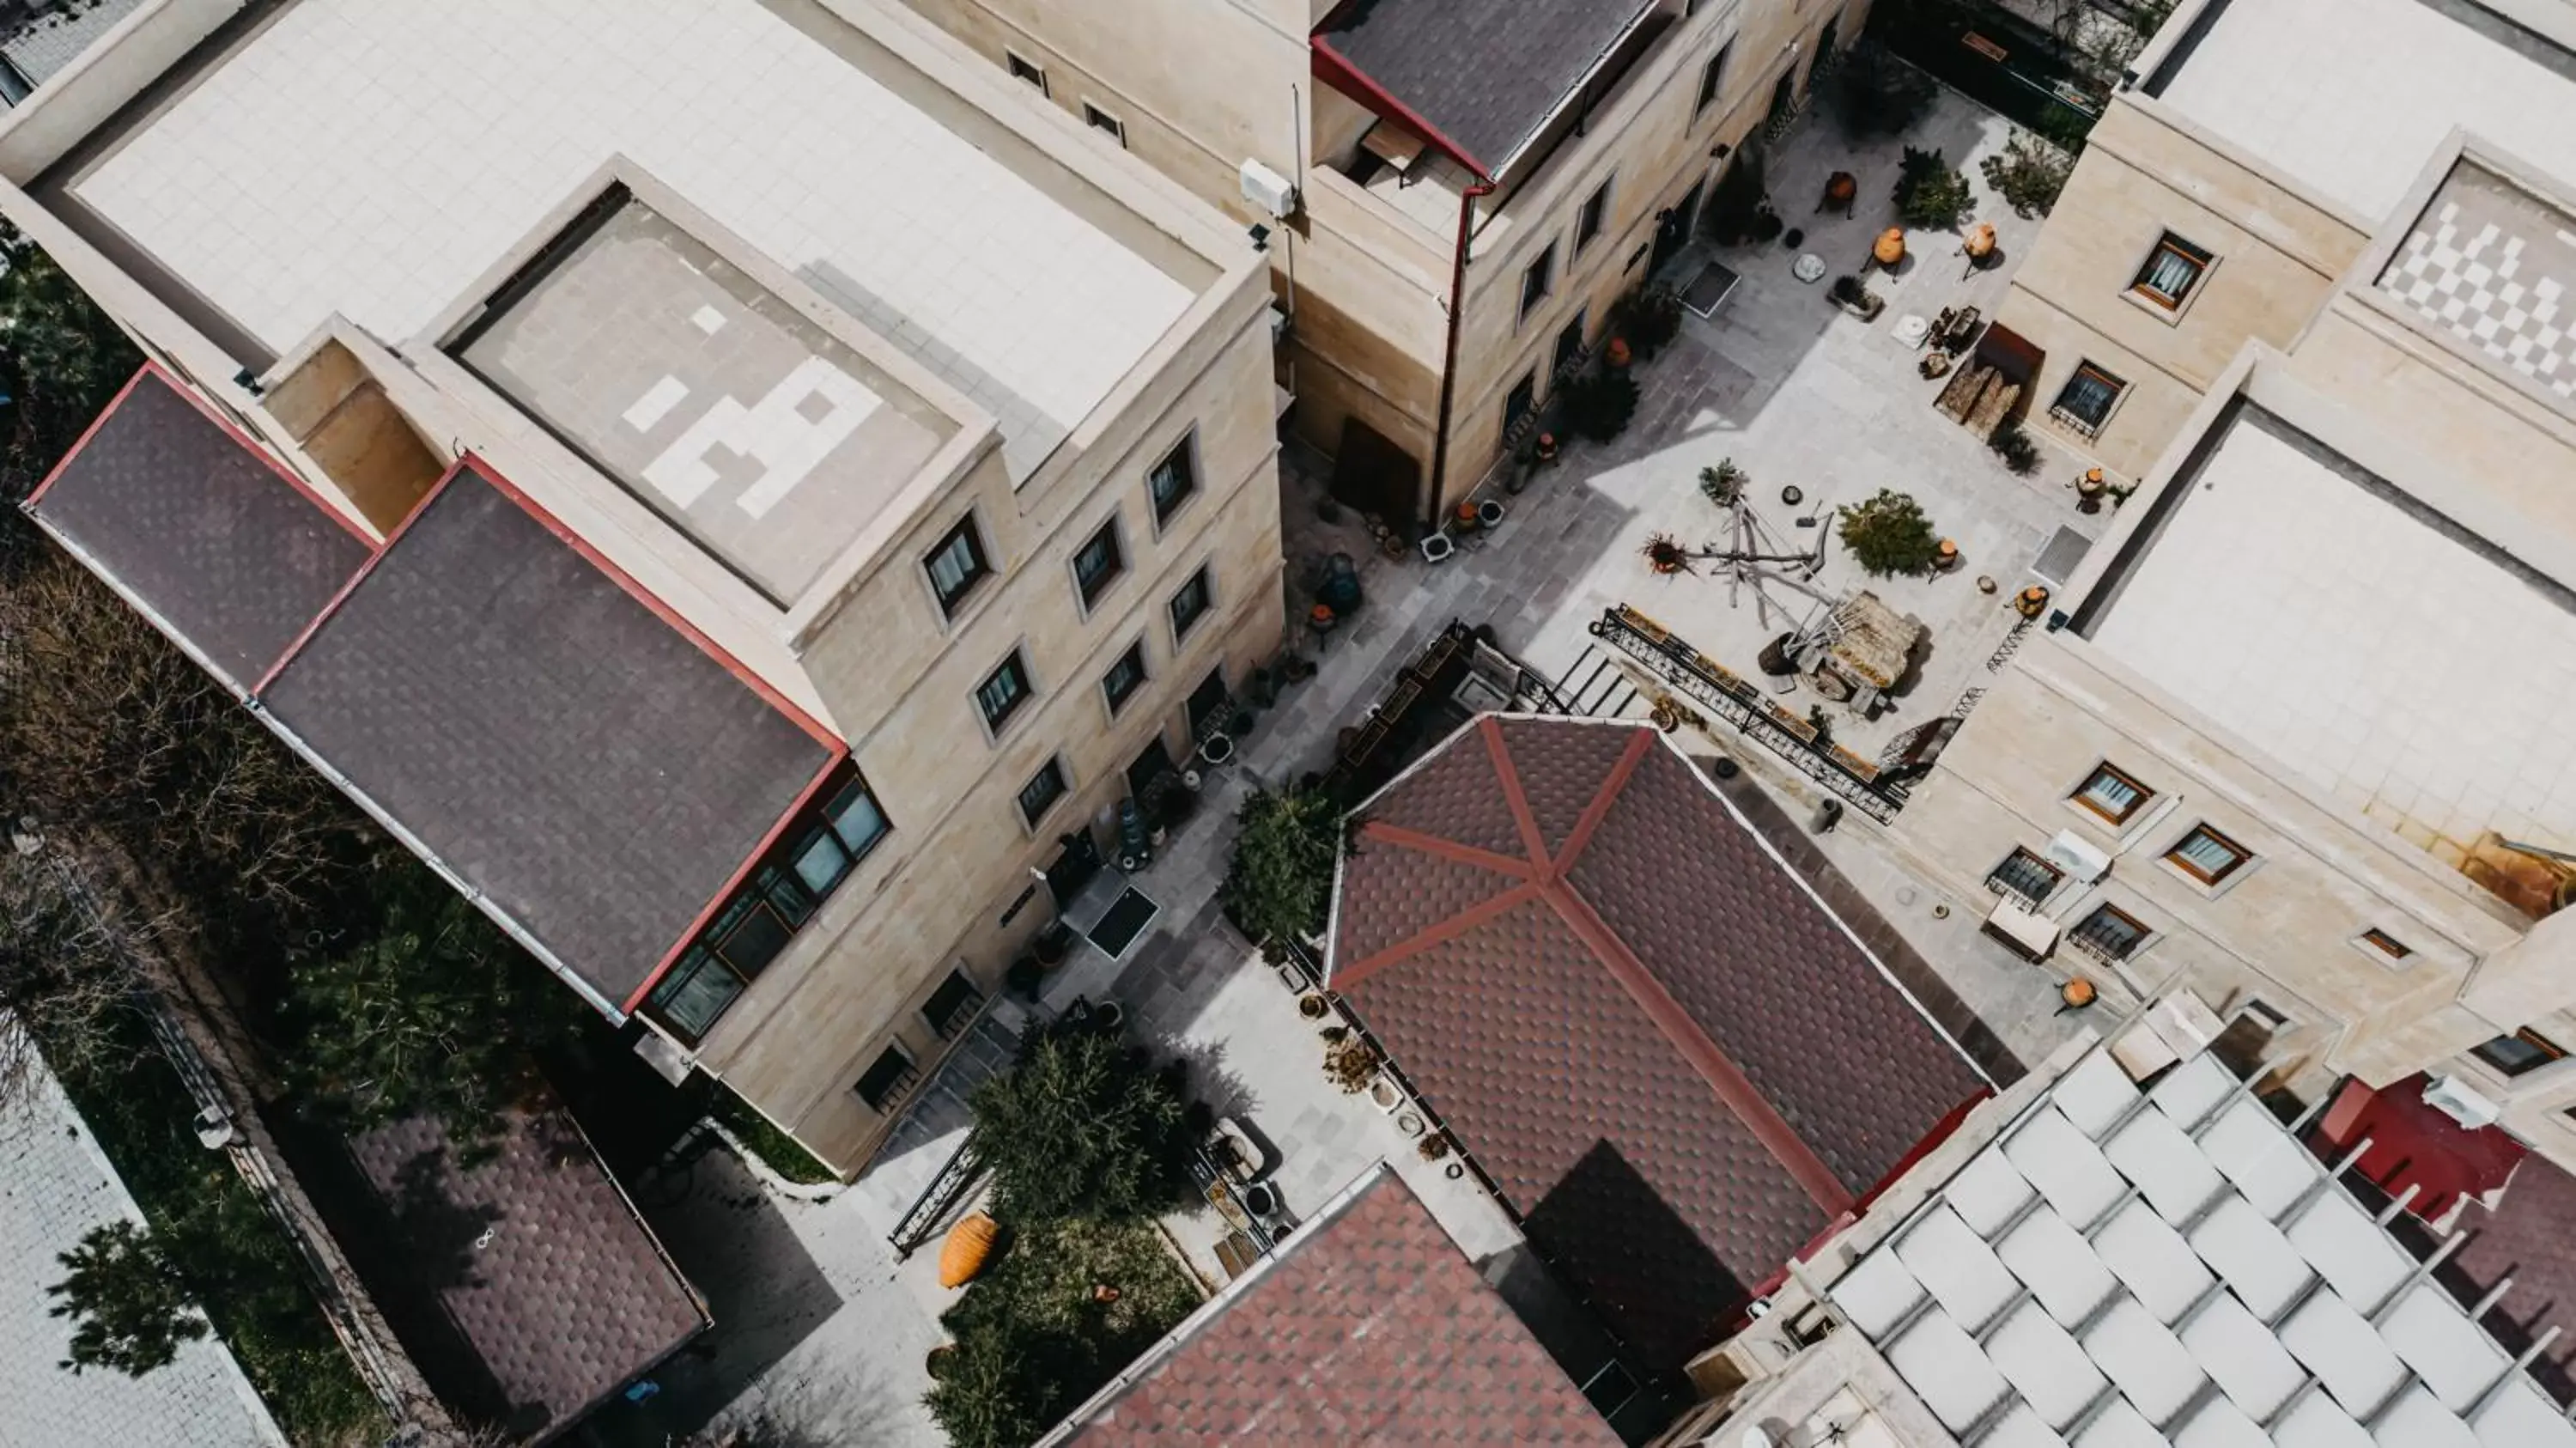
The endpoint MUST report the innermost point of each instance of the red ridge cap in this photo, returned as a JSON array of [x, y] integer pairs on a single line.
[[1448, 849], [1513, 794], [1446, 930], [295, 647], [1593, 813], [1337, 69]]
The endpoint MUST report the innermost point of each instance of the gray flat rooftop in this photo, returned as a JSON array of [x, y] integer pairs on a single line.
[[2494, 266], [2413, 670], [2352, 97], [377, 157], [706, 395]]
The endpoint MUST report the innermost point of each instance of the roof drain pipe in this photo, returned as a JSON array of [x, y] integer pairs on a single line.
[[1449, 365]]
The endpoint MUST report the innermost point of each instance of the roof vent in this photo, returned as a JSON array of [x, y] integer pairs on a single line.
[[2077, 856]]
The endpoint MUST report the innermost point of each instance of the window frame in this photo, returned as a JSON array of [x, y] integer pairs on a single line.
[[1525, 392], [1538, 280], [951, 605], [1051, 769], [2200, 258], [1712, 79], [2000, 885], [1015, 662], [2383, 946], [1592, 218], [1026, 71], [1105, 121], [2076, 422], [2083, 800], [1118, 702], [1202, 582], [905, 1077], [2142, 934], [949, 1027], [2173, 855], [2550, 1053], [1559, 357], [1088, 592], [1186, 451]]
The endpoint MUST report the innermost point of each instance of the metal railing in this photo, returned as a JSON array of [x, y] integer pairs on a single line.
[[921, 1223], [1711, 685]]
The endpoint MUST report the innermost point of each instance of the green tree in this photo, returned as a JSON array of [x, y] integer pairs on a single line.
[[1280, 884], [1889, 535], [2028, 173], [132, 1304], [981, 1398], [1930, 195], [1081, 1126], [1876, 94], [434, 1012], [61, 359]]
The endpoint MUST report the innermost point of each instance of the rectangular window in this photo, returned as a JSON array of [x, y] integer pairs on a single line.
[[1594, 215], [1712, 78], [1025, 70], [1003, 692], [2084, 403], [1173, 481], [1100, 120], [1125, 677], [1042, 791], [1098, 563], [952, 1006], [887, 1080], [2208, 856], [755, 926], [2113, 795], [2521, 1053], [1539, 280], [2025, 874], [1191, 604], [1569, 347], [2109, 933], [2172, 270], [957, 565], [1521, 401], [2386, 944]]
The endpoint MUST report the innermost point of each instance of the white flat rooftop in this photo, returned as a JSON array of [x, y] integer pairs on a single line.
[[2401, 664], [376, 157], [2353, 96], [2168, 1351]]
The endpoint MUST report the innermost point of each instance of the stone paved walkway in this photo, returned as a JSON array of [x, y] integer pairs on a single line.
[[1779, 380]]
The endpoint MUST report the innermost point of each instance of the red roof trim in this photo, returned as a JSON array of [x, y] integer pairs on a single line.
[[1724, 1077], [1446, 849], [65, 461], [1447, 930], [1581, 835], [1532, 838], [1337, 71], [768, 841], [296, 647]]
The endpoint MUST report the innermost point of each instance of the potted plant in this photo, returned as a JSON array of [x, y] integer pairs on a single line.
[[1889, 536], [1023, 976], [1312, 1006], [1241, 723], [1435, 1145], [1665, 555], [1217, 748], [1930, 195], [2015, 447], [1723, 483], [1616, 354], [1351, 1065], [1852, 297]]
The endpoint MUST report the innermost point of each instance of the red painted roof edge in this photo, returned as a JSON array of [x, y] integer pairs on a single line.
[[1337, 71]]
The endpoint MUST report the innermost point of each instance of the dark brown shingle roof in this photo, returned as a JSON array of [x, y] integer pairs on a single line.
[[1674, 1062], [557, 1291], [1370, 1328]]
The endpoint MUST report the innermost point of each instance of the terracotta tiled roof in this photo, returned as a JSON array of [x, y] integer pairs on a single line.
[[1676, 1065], [1370, 1328]]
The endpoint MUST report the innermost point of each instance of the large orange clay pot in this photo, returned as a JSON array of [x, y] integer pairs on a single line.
[[1890, 248], [1981, 241], [968, 1248]]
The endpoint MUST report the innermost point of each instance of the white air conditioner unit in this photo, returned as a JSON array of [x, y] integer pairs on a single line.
[[2022, 930], [1269, 190], [2456, 1100], [2077, 856]]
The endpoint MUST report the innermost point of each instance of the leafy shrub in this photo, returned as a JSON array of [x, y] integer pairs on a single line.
[[2014, 446], [1649, 318], [1722, 484], [1875, 94], [1081, 1125], [1599, 405], [1930, 195], [1889, 536], [1035, 1338], [1280, 884], [1847, 290], [1352, 1064], [2028, 173], [1737, 208]]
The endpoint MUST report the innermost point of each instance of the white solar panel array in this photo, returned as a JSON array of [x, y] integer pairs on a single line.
[[2127, 1269]]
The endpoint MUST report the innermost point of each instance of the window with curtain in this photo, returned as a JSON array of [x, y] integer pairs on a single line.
[[2522, 1052], [956, 565], [2172, 270], [1099, 563], [1003, 692], [1172, 481], [1041, 792], [1191, 604], [2208, 856], [2085, 401], [1125, 677], [2113, 795]]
